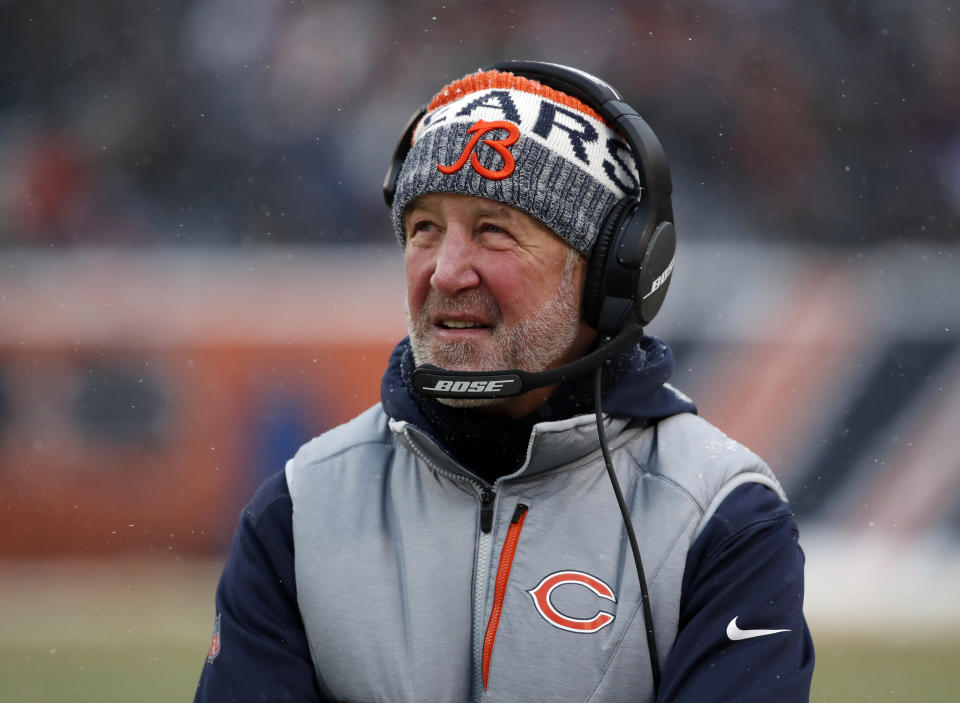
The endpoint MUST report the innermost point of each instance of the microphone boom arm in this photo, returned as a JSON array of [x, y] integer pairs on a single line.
[[433, 381]]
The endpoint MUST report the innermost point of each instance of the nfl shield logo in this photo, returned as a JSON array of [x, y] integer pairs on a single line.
[[214, 641]]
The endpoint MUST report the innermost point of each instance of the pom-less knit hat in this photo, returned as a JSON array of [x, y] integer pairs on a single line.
[[508, 138]]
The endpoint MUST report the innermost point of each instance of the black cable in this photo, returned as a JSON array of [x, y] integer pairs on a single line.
[[644, 594]]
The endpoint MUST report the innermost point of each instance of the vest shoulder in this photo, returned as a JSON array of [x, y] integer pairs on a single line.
[[369, 427], [705, 462]]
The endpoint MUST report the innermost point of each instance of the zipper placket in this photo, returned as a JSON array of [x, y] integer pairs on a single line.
[[500, 586], [484, 549], [488, 499]]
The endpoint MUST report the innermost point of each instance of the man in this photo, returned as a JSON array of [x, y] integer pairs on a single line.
[[443, 547]]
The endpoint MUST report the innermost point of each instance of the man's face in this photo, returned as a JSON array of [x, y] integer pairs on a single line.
[[490, 287]]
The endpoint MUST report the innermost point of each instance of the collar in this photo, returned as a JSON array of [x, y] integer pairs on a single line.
[[635, 388]]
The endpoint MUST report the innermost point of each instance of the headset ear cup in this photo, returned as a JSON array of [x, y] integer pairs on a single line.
[[593, 292], [656, 271]]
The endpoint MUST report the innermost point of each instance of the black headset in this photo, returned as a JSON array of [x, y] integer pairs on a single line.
[[632, 260]]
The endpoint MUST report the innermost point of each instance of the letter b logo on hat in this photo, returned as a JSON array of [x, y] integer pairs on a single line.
[[478, 129]]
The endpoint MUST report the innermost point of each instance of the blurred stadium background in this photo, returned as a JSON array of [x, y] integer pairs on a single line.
[[197, 274]]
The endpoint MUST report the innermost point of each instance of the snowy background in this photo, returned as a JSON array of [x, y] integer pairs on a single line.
[[197, 271]]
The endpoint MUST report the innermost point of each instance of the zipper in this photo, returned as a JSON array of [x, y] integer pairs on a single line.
[[484, 548], [487, 498], [500, 587]]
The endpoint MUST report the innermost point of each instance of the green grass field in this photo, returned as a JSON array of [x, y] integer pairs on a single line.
[[139, 632]]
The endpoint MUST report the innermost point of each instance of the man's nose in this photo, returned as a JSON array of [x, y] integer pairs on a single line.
[[456, 256]]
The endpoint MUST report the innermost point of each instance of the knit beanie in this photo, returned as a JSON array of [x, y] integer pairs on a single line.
[[512, 139]]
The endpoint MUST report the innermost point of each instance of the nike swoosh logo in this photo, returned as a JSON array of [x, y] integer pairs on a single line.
[[735, 633]]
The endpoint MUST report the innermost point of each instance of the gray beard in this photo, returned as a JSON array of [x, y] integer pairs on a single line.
[[532, 344]]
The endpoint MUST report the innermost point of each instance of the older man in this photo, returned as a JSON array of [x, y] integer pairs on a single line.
[[454, 546]]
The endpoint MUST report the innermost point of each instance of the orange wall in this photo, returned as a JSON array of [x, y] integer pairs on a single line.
[[65, 491]]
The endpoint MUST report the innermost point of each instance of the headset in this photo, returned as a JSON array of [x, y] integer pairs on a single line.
[[627, 276]]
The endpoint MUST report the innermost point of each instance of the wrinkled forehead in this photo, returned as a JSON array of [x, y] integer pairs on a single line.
[[433, 201], [446, 205]]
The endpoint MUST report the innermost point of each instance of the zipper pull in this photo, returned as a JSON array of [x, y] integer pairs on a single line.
[[518, 513], [486, 510]]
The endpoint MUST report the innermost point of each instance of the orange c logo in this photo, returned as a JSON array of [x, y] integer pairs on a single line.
[[480, 128], [541, 599]]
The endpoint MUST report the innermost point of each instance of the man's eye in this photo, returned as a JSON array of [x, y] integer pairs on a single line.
[[421, 226], [495, 236], [496, 232]]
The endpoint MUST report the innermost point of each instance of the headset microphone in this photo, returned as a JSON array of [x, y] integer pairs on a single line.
[[440, 383]]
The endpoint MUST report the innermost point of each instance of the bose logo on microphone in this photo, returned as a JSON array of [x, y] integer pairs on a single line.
[[468, 386]]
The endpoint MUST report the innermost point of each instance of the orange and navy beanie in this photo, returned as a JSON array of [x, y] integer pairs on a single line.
[[511, 139]]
